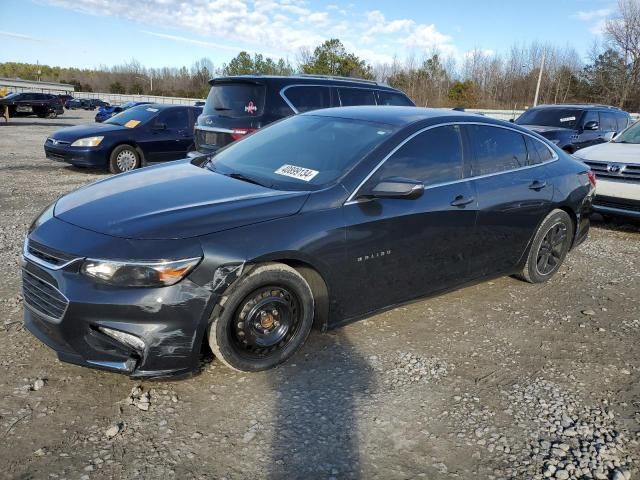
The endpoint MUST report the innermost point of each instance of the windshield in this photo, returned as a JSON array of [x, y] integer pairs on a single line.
[[551, 117], [630, 135], [303, 152], [134, 116], [11, 95], [236, 100]]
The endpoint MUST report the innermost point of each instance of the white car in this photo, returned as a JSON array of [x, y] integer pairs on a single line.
[[617, 168]]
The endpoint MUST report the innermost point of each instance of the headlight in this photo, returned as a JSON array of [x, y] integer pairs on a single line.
[[138, 274], [87, 142], [45, 215]]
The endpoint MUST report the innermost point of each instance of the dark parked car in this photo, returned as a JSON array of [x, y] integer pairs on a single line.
[[131, 139], [573, 127], [26, 104], [242, 104], [106, 112], [85, 104], [322, 218]]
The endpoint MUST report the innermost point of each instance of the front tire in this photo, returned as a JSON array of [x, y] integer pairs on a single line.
[[549, 247], [265, 319], [124, 158]]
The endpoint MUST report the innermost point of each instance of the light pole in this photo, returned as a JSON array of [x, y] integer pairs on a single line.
[[535, 100]]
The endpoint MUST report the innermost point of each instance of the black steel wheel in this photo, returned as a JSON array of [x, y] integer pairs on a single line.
[[266, 321], [548, 248], [267, 316]]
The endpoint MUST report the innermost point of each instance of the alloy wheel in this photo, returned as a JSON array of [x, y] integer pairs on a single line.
[[551, 249]]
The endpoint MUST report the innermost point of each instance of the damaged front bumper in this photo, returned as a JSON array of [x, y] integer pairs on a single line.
[[141, 332]]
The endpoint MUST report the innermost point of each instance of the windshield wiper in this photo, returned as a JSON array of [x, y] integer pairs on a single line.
[[244, 178]]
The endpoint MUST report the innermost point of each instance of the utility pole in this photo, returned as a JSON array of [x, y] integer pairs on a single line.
[[535, 100]]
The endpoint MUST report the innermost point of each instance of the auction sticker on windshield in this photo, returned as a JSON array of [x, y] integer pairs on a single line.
[[132, 123], [300, 173], [567, 119]]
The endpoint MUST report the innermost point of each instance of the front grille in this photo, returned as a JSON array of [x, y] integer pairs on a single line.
[[42, 297], [617, 170], [56, 156], [612, 202], [47, 254], [53, 141]]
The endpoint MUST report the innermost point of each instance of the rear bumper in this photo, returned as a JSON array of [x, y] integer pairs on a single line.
[[77, 156]]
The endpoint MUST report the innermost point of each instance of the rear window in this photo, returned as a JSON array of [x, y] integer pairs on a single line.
[[235, 100]]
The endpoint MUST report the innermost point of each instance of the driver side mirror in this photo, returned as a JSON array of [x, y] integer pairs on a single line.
[[395, 187], [592, 125]]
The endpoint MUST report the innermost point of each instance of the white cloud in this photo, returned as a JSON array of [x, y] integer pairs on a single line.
[[282, 26], [19, 36], [427, 37], [593, 14]]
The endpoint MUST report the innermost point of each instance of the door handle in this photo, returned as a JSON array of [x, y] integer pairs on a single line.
[[461, 201], [537, 185]]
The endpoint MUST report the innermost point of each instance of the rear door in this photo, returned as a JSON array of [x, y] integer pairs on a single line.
[[401, 249], [514, 195]]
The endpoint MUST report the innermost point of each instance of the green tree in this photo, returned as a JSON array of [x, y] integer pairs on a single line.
[[463, 94], [117, 87], [331, 58]]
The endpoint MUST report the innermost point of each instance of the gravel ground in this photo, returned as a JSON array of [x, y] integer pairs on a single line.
[[499, 380]]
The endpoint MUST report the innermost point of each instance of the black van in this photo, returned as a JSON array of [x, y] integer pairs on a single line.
[[242, 104]]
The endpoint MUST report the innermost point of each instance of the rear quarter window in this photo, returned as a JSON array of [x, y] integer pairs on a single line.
[[307, 98], [356, 96], [392, 98], [235, 100]]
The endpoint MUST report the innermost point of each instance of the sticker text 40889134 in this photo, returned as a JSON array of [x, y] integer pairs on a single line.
[[300, 173]]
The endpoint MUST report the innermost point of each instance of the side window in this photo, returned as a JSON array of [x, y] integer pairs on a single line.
[[590, 116], [537, 152], [356, 96], [392, 98], [496, 149], [175, 118], [608, 122], [433, 156], [622, 121], [309, 98], [27, 97]]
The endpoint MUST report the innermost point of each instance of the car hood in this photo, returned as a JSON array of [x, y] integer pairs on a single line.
[[628, 153], [171, 201], [70, 134], [544, 130]]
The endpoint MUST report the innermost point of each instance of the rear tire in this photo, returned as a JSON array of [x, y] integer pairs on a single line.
[[124, 158], [265, 319], [549, 248]]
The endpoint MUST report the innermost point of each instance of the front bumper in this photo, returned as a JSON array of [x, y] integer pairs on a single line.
[[84, 157], [170, 321], [617, 197]]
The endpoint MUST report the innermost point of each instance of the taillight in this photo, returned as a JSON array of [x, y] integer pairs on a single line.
[[592, 178], [238, 133]]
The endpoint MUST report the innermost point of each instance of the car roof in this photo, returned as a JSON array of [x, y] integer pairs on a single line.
[[582, 106], [303, 79], [402, 116]]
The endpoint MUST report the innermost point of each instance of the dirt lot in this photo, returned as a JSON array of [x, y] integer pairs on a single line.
[[500, 380]]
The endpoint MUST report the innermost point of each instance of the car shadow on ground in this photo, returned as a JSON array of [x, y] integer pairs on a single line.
[[325, 443]]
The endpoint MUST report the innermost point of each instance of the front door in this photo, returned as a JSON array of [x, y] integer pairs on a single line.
[[171, 135], [401, 249]]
